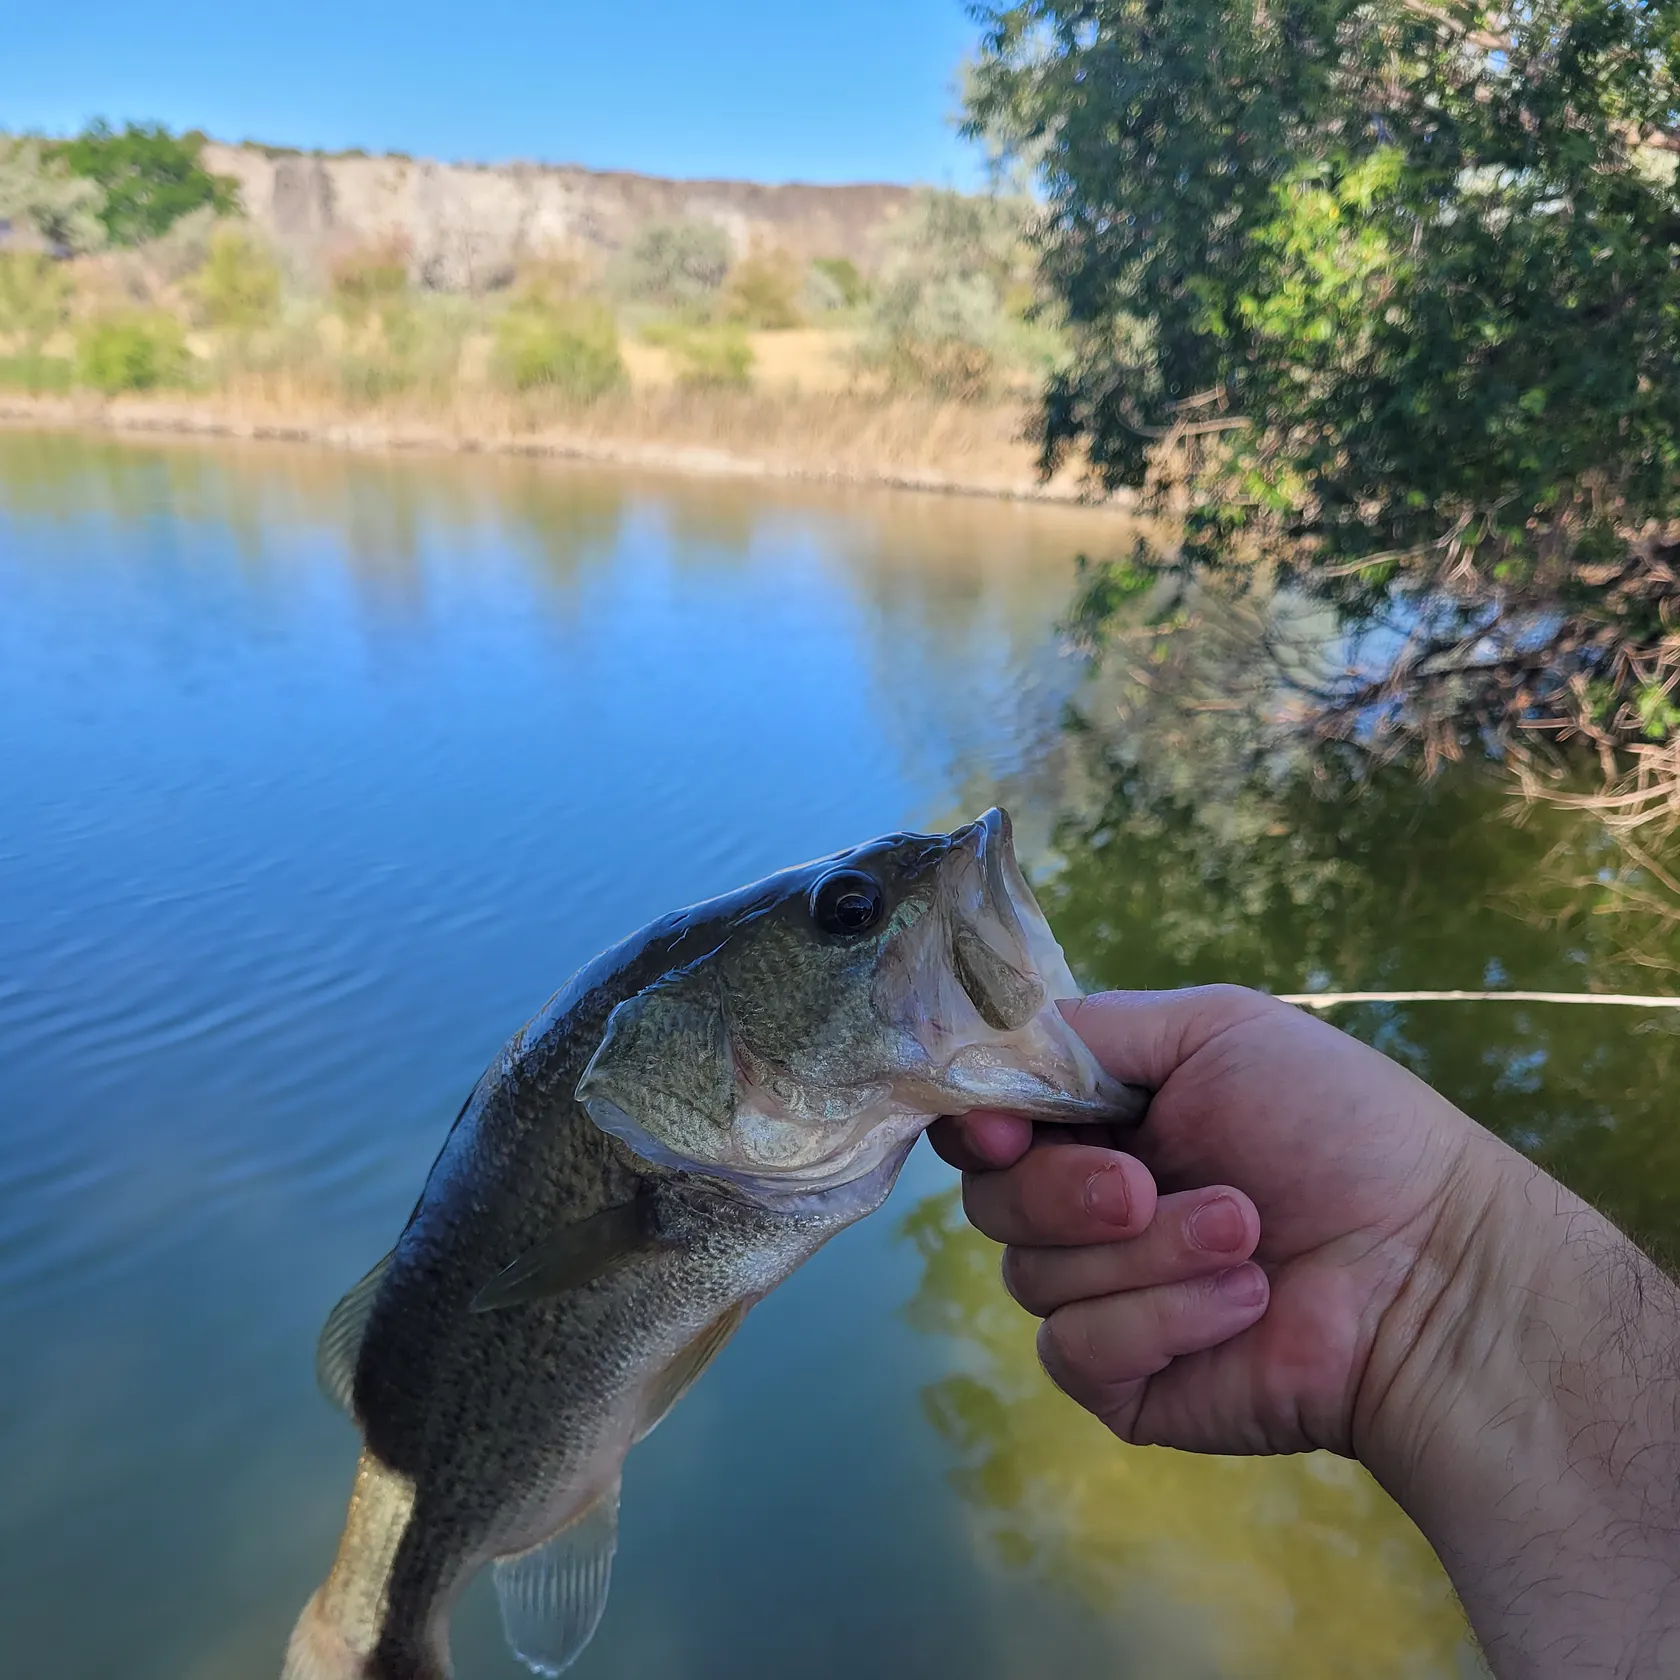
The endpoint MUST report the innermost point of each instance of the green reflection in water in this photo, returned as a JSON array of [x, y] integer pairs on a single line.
[[1176, 869], [1239, 1567]]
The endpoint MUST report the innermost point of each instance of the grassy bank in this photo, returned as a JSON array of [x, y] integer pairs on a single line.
[[916, 443]]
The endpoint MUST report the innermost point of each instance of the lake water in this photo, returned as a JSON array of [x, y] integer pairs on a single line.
[[318, 775]]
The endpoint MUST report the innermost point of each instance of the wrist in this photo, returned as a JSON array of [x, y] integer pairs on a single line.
[[1522, 1403]]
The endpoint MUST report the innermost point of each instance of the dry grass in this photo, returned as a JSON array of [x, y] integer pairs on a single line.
[[844, 436]]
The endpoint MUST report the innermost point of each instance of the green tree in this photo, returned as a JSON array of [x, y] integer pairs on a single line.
[[39, 192], [1385, 292], [150, 177]]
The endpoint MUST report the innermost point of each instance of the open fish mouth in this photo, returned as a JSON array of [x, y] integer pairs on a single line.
[[988, 974]]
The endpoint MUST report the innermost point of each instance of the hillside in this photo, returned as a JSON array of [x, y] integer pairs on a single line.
[[467, 227]]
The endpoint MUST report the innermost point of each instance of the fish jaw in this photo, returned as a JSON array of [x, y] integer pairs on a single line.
[[975, 985]]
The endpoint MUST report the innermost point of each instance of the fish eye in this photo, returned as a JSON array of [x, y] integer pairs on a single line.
[[847, 901]]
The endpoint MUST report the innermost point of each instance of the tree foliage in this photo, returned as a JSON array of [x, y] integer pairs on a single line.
[[1384, 291], [150, 177], [39, 192]]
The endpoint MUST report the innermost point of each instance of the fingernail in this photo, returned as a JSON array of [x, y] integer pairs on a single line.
[[1217, 1225], [1107, 1198], [1242, 1286]]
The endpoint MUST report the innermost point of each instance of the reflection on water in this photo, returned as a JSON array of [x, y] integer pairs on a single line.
[[1236, 1567], [318, 774]]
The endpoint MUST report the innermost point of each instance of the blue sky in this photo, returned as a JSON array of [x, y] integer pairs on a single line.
[[790, 91]]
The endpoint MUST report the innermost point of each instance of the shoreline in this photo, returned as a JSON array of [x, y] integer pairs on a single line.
[[377, 434]]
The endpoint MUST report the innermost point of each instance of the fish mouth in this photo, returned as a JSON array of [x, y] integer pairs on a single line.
[[983, 1001]]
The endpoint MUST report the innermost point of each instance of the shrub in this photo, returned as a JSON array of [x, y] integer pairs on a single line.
[[413, 344], [763, 291], [565, 345], [678, 264], [131, 350], [34, 295], [149, 177], [714, 357], [239, 285], [950, 311], [842, 274], [40, 192]]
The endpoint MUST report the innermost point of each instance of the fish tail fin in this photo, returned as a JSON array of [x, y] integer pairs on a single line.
[[342, 1633], [320, 1649]]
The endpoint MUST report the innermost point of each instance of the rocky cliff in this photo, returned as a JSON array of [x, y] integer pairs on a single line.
[[465, 227]]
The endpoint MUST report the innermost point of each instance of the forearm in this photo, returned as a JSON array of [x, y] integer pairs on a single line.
[[1522, 1403]]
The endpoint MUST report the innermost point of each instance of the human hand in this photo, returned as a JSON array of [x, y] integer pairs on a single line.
[[1503, 1359], [1271, 1135]]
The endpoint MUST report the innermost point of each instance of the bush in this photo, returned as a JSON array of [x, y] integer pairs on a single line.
[[131, 350], [564, 345], [951, 311], [678, 264], [40, 192], [239, 285], [150, 178], [709, 357], [764, 291], [34, 296], [842, 274]]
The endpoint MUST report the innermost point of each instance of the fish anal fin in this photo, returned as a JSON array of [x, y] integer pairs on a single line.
[[570, 1258], [684, 1371], [340, 1342], [552, 1596]]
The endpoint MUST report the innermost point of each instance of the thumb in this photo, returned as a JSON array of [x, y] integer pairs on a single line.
[[1141, 1037]]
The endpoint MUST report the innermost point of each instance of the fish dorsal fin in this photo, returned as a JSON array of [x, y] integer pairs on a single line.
[[552, 1596], [341, 1338], [570, 1258], [684, 1371]]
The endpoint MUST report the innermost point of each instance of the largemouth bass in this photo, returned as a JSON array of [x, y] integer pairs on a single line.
[[688, 1120]]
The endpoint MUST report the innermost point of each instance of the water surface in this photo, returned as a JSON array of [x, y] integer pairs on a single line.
[[318, 775]]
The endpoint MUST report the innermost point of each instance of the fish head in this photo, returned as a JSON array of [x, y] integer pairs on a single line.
[[836, 1009]]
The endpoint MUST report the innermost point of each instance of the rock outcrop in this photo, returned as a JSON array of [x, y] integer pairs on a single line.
[[464, 228]]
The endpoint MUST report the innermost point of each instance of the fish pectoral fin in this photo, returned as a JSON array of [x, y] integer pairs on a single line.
[[570, 1258], [340, 1344], [552, 1596], [684, 1371]]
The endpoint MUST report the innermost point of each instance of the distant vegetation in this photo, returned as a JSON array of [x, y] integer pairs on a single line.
[[128, 266], [149, 178]]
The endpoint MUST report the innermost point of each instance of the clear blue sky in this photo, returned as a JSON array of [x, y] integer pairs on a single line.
[[796, 91]]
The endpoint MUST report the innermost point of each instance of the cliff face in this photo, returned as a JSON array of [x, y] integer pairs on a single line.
[[465, 228]]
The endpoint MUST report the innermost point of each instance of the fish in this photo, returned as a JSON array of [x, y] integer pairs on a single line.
[[688, 1120]]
